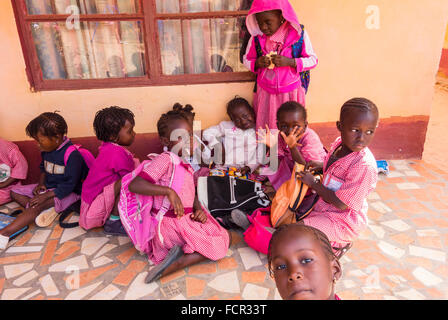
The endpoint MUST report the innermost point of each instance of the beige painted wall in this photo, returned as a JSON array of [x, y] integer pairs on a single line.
[[394, 66]]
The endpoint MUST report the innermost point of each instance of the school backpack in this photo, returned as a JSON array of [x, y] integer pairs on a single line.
[[88, 159], [293, 195], [86, 154], [139, 219], [305, 76], [221, 195]]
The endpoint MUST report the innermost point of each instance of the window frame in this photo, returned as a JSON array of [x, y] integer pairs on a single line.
[[153, 62]]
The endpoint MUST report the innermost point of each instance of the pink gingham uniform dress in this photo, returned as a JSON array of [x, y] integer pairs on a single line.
[[209, 238], [352, 178], [11, 157]]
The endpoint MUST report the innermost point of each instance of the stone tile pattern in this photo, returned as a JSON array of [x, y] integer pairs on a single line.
[[402, 255]]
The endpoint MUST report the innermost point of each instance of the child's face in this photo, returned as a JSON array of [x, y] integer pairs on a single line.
[[242, 117], [126, 135], [287, 121], [269, 21], [182, 131], [48, 144], [301, 269], [357, 129]]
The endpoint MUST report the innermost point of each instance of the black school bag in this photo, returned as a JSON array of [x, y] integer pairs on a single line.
[[220, 195], [305, 76]]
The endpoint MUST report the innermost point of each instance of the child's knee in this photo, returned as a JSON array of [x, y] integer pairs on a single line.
[[13, 195]]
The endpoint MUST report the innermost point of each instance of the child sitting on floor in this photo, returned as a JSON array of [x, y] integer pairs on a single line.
[[350, 174], [13, 169], [60, 181], [237, 136], [114, 126], [299, 143], [302, 263], [186, 234]]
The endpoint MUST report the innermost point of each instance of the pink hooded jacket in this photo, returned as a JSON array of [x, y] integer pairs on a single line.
[[279, 79]]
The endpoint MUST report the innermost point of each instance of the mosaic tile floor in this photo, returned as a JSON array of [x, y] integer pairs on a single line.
[[402, 255]]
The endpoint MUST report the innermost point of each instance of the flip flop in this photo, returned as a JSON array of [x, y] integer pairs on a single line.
[[343, 250], [155, 273], [46, 217], [3, 242]]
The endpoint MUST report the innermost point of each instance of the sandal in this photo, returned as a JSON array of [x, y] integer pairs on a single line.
[[155, 273], [46, 217], [341, 251]]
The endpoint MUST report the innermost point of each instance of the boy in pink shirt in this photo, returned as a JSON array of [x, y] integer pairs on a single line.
[[13, 168], [350, 174], [100, 192]]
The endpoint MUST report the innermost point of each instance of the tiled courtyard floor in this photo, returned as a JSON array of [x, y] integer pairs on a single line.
[[402, 255]]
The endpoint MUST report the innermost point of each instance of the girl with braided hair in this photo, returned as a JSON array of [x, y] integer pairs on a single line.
[[302, 263], [187, 234], [349, 174], [114, 126]]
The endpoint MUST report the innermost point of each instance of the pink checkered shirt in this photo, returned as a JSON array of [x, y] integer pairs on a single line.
[[276, 41], [352, 178], [12, 157]]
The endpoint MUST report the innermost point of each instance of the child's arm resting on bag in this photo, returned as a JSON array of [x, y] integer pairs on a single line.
[[144, 187], [326, 194]]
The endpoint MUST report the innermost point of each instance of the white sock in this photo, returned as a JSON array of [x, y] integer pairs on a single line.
[[3, 242]]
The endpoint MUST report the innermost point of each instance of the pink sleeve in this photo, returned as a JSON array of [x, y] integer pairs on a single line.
[[19, 166], [312, 148], [160, 166], [251, 55], [123, 163], [359, 181]]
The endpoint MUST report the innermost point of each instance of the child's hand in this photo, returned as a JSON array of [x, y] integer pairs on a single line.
[[266, 137], [199, 216], [306, 177], [245, 170], [39, 199], [282, 61], [262, 62], [39, 189], [313, 166], [293, 137], [175, 201]]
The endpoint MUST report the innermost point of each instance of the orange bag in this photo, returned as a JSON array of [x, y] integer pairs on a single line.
[[290, 204]]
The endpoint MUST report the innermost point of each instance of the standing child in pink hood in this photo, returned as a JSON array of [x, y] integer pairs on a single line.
[[276, 35]]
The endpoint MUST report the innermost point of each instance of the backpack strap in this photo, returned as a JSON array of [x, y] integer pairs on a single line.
[[298, 46], [259, 54], [258, 47], [69, 151], [177, 178]]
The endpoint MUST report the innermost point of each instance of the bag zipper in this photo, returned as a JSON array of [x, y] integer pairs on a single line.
[[232, 184]]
